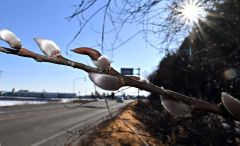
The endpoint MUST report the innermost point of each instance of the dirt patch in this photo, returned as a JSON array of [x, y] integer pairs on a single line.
[[122, 131], [145, 123]]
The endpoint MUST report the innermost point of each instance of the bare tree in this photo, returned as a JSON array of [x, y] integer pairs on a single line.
[[160, 22]]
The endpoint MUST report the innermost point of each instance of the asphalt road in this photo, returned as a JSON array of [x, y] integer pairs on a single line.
[[50, 124]]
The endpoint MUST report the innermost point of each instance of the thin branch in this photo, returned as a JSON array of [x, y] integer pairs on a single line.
[[104, 22], [133, 130], [85, 23], [81, 9]]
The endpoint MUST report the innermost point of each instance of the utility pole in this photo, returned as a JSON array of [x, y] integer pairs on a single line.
[[74, 81], [139, 77]]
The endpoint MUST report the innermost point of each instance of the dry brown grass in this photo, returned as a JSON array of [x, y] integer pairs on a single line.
[[117, 133]]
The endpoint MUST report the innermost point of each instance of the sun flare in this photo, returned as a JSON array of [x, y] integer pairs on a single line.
[[191, 11]]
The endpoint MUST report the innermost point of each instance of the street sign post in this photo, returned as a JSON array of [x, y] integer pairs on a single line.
[[127, 71]]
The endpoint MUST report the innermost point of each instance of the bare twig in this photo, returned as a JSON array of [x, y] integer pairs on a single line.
[[136, 133], [104, 22], [145, 15]]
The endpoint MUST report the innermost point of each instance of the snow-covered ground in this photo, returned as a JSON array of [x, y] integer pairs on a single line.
[[23, 102], [65, 100], [12, 103], [34, 101]]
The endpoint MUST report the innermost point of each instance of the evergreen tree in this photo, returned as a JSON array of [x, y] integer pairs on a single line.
[[208, 61]]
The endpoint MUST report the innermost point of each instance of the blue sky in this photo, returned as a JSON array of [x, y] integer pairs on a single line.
[[46, 18]]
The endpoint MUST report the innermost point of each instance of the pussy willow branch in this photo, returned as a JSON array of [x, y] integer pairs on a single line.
[[196, 105], [40, 58]]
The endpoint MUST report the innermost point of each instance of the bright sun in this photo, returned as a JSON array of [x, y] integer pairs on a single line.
[[191, 11]]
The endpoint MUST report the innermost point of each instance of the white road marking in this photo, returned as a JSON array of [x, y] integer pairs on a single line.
[[49, 138], [65, 131]]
